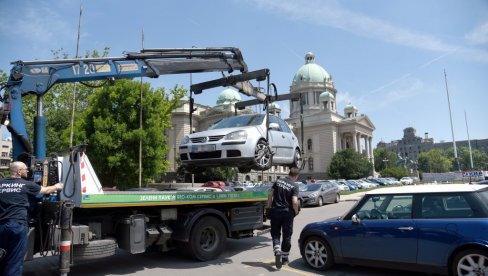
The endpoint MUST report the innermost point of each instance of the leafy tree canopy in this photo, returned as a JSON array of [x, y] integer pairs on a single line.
[[110, 125], [349, 164]]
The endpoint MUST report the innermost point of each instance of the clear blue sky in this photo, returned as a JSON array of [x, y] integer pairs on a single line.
[[386, 57]]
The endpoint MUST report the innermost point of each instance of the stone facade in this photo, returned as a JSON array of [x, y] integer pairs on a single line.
[[325, 131], [411, 145]]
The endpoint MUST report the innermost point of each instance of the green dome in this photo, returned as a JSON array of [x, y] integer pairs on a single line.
[[310, 72], [274, 105], [228, 96], [325, 96], [350, 106]]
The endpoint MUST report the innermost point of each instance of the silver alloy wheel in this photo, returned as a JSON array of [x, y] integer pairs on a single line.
[[472, 264], [262, 156], [316, 254]]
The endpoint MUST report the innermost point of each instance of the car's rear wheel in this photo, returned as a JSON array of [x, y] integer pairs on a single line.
[[317, 253], [262, 156], [338, 198], [297, 159], [471, 261]]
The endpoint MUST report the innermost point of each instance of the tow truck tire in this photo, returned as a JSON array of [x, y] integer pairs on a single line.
[[263, 158], [94, 250], [207, 239]]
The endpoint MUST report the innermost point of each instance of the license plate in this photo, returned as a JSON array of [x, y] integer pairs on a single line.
[[202, 148]]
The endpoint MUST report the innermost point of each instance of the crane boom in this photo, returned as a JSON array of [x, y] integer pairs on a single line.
[[37, 77]]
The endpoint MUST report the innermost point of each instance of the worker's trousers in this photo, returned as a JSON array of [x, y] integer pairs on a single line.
[[281, 222], [13, 239]]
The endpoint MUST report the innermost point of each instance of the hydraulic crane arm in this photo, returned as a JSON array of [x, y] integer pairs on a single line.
[[37, 77]]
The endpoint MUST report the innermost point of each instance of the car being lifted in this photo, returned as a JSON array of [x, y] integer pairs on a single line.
[[241, 141]]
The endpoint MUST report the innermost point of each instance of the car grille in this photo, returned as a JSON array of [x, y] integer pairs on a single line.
[[206, 139], [183, 156], [233, 153], [205, 155]]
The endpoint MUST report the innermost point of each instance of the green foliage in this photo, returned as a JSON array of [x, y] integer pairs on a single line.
[[480, 158], [349, 164], [111, 128], [57, 106], [396, 172], [380, 155], [219, 173], [434, 161]]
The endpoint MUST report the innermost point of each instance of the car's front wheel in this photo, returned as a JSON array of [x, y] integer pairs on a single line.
[[317, 253], [262, 156], [471, 261]]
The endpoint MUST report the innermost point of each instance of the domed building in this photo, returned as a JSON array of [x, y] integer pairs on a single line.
[[325, 131]]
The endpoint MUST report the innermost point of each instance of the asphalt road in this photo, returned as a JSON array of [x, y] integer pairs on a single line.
[[250, 256]]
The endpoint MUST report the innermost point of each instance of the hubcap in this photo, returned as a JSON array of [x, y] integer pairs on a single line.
[[473, 264], [315, 254], [262, 155]]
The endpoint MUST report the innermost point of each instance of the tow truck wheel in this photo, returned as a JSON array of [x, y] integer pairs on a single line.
[[207, 239], [262, 156], [94, 250]]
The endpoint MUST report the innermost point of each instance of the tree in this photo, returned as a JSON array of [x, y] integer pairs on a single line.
[[110, 125], [480, 159], [219, 173], [57, 106], [349, 164], [380, 155], [433, 161], [396, 172]]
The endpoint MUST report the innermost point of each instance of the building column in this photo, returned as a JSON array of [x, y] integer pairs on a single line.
[[355, 141], [358, 143], [366, 146], [370, 142]]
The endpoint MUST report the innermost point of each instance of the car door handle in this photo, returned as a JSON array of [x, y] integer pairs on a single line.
[[409, 228]]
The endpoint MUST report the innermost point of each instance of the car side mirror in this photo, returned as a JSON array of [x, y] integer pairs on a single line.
[[355, 219], [274, 126]]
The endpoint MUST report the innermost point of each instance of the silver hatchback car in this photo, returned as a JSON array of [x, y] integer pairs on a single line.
[[240, 141]]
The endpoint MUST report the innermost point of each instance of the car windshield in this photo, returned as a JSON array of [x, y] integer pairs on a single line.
[[239, 121], [313, 187]]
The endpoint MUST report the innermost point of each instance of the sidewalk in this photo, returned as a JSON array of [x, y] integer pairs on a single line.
[[352, 197]]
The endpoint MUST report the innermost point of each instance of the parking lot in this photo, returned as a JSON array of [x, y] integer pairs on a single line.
[[250, 256]]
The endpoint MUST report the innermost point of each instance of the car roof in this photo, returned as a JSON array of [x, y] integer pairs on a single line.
[[439, 188]]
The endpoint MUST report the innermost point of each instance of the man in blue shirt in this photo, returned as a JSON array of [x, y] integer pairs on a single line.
[[14, 202], [283, 207]]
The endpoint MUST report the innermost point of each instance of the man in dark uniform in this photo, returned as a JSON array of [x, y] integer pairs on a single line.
[[283, 207], [14, 192]]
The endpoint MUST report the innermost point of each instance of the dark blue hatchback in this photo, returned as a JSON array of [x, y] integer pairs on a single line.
[[429, 228]]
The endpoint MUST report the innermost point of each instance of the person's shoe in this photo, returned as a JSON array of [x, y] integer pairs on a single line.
[[2, 254], [285, 261], [278, 260]]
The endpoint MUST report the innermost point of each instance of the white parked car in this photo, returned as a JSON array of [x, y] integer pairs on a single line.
[[241, 141], [406, 180]]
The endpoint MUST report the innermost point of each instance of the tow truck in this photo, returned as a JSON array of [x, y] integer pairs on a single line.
[[84, 221]]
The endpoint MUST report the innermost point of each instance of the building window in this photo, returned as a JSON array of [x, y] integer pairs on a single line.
[[309, 144], [310, 163]]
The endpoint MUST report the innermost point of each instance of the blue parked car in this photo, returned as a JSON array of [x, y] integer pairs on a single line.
[[430, 228]]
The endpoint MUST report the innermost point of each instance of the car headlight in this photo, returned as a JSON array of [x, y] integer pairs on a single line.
[[236, 135], [314, 194], [185, 140]]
